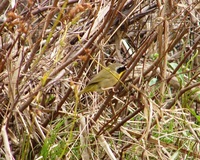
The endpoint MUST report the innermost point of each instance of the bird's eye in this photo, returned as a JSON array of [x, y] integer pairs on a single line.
[[121, 69]]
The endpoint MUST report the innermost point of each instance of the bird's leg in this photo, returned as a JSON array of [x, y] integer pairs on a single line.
[[113, 89]]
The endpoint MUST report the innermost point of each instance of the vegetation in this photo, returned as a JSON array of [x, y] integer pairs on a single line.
[[50, 50]]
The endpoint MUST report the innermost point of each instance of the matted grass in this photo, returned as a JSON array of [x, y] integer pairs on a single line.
[[51, 50]]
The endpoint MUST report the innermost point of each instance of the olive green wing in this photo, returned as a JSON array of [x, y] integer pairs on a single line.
[[102, 75]]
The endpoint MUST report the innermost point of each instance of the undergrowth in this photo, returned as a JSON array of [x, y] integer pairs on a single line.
[[49, 52]]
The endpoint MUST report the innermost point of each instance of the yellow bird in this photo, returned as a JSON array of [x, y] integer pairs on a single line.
[[105, 79]]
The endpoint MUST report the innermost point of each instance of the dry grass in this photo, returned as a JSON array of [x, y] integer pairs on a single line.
[[49, 52]]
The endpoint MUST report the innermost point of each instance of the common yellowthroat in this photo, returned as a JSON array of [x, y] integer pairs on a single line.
[[105, 79]]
